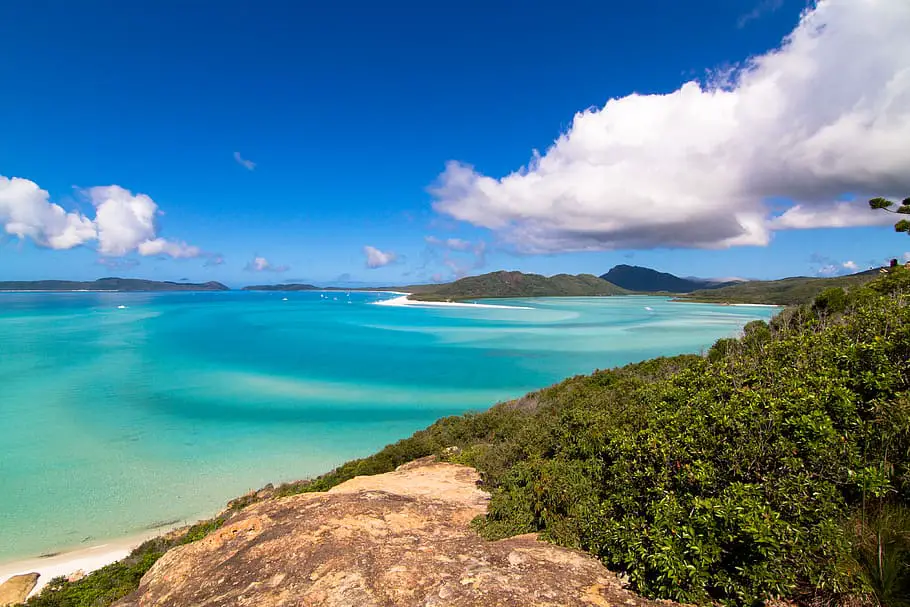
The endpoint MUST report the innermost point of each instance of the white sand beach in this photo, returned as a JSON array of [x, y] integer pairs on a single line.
[[404, 301], [66, 563]]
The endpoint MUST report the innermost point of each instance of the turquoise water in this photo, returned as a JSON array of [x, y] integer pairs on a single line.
[[119, 419]]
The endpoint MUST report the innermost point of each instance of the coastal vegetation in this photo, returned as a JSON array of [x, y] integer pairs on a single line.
[[516, 284], [783, 292], [777, 464]]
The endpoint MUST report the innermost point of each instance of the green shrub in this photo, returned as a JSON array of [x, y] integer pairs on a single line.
[[728, 480], [881, 553]]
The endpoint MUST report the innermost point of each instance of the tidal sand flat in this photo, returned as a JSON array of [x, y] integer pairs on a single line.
[[124, 413]]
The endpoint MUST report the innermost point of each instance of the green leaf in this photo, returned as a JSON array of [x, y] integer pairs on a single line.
[[904, 209], [902, 226], [880, 203]]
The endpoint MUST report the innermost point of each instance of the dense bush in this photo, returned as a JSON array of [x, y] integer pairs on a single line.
[[731, 479]]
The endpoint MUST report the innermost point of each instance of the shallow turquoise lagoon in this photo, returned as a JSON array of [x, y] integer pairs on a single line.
[[121, 412]]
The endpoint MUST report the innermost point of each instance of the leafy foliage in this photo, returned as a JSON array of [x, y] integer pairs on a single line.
[[903, 208], [784, 292], [881, 554]]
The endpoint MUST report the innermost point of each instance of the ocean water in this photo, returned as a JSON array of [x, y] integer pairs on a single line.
[[122, 412]]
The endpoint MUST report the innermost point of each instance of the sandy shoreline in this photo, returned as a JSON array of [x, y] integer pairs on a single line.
[[83, 559], [404, 301]]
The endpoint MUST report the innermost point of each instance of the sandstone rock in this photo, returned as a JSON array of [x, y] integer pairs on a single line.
[[75, 576], [396, 539], [15, 590]]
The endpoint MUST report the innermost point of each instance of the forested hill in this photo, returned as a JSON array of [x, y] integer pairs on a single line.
[[516, 284], [637, 278], [786, 291], [109, 284]]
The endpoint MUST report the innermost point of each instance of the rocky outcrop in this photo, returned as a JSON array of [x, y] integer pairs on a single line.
[[402, 538], [15, 590]]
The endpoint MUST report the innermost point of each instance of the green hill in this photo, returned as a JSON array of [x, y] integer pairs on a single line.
[[786, 291], [109, 284], [515, 284], [646, 280]]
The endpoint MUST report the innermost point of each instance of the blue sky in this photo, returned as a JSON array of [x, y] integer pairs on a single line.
[[274, 141]]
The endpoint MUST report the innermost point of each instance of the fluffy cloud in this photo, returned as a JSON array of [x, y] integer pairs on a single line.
[[247, 164], [214, 260], [26, 212], [160, 246], [827, 113], [377, 258], [833, 215], [261, 264], [123, 222]]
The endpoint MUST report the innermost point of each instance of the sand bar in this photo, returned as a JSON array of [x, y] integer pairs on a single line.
[[404, 301]]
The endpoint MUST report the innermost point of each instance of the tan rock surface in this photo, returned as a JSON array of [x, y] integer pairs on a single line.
[[15, 590], [396, 539]]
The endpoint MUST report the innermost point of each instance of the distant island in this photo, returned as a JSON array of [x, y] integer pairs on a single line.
[[282, 287], [109, 284], [515, 284], [637, 278]]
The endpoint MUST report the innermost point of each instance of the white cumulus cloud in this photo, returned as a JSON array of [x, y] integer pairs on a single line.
[[160, 246], [377, 258], [261, 264], [825, 114], [124, 222], [26, 212]]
